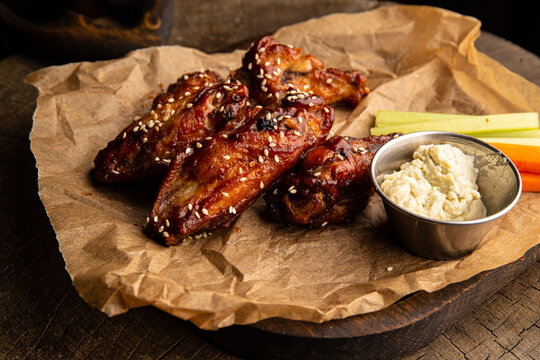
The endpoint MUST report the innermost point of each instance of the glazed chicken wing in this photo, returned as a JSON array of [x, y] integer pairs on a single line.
[[198, 105], [210, 188], [331, 184], [271, 69]]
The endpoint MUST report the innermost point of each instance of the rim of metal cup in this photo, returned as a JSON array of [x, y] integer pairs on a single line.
[[404, 137]]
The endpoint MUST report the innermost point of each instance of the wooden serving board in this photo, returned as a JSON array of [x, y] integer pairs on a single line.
[[386, 334]]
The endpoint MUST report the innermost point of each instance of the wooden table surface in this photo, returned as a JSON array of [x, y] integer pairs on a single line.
[[41, 314]]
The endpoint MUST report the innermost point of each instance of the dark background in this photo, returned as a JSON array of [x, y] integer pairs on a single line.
[[515, 21]]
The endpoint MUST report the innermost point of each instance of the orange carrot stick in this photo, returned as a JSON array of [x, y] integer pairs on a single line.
[[526, 157], [531, 182]]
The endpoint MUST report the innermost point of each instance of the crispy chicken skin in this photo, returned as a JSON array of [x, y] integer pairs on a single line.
[[271, 69], [190, 110], [209, 189], [331, 184]]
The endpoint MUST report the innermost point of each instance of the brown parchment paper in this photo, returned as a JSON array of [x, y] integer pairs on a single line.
[[416, 58]]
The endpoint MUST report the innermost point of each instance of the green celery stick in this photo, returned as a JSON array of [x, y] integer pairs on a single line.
[[393, 117], [472, 125], [390, 117], [511, 134]]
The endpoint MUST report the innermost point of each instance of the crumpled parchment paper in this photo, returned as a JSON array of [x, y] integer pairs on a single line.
[[416, 58]]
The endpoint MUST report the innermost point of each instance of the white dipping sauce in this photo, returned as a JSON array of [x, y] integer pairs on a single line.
[[440, 183]]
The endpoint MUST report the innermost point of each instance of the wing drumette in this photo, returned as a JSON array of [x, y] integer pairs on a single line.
[[272, 69], [331, 184], [191, 110], [209, 189]]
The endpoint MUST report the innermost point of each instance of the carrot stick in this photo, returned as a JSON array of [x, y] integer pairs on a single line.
[[531, 182], [525, 157]]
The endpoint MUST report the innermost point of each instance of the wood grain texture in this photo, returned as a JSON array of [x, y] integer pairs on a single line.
[[41, 315]]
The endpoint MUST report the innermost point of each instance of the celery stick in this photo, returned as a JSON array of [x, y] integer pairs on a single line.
[[510, 134], [392, 117], [515, 141], [471, 125], [389, 117]]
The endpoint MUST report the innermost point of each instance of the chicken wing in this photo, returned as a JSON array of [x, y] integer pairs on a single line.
[[209, 189], [331, 184], [198, 105], [271, 69]]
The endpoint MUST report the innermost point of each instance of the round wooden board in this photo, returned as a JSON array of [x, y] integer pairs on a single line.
[[386, 334]]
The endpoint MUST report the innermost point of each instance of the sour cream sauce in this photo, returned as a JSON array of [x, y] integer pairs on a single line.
[[439, 183]]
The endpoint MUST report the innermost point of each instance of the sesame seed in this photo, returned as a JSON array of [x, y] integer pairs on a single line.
[[261, 159], [293, 191], [261, 185], [296, 132], [167, 223], [340, 157], [258, 107], [188, 150], [124, 135], [395, 136], [240, 171], [328, 81], [147, 219], [300, 119], [226, 157], [287, 116], [165, 234], [278, 61], [166, 117], [115, 172], [135, 129], [161, 228], [272, 144], [268, 76], [208, 138], [252, 163], [198, 145], [137, 117], [156, 158], [326, 110], [155, 218], [331, 133], [318, 173], [268, 116], [197, 215], [168, 161], [291, 188], [242, 179], [324, 224], [218, 95], [204, 211], [225, 194], [172, 112], [189, 105], [228, 88], [170, 100], [250, 65], [270, 138], [390, 268], [281, 134], [224, 136], [276, 72], [276, 158], [185, 77], [264, 88], [266, 152], [267, 63], [190, 207], [311, 104], [187, 93]]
